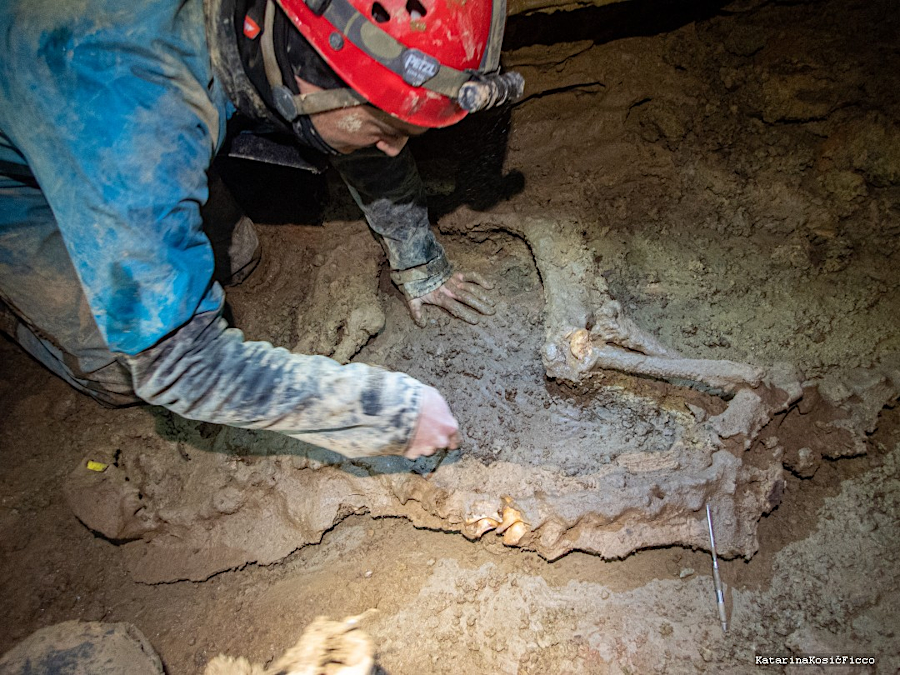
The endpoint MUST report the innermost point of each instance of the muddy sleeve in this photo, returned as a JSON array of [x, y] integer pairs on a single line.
[[391, 195], [118, 116], [207, 371]]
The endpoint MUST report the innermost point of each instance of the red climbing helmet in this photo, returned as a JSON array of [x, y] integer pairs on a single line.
[[426, 62]]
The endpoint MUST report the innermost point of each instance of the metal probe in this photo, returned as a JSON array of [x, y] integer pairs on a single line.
[[720, 596]]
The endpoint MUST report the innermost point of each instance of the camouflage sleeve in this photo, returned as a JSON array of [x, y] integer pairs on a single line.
[[391, 195], [207, 371]]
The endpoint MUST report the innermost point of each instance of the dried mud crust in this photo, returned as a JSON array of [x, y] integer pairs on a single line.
[[191, 514]]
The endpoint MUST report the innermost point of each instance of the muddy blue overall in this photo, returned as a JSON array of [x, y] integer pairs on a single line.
[[110, 116]]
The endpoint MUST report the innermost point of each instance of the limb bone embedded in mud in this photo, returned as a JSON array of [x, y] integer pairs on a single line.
[[585, 327]]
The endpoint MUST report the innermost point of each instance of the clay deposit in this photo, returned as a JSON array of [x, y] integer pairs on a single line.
[[691, 224]]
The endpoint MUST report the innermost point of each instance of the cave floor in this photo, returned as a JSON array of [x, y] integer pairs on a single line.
[[737, 177]]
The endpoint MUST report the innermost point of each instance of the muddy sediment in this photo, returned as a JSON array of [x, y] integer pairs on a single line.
[[729, 177]]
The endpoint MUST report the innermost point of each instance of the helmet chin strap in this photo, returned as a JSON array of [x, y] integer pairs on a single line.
[[291, 105], [307, 134], [296, 108]]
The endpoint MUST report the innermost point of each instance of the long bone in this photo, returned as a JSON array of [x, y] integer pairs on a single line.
[[577, 299]]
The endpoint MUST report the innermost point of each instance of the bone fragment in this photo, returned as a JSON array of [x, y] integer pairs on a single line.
[[477, 528], [515, 533], [510, 518], [611, 325]]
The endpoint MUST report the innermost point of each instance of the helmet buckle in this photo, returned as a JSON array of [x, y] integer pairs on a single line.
[[284, 102]]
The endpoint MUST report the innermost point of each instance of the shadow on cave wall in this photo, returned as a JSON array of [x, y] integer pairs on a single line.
[[463, 165], [634, 18]]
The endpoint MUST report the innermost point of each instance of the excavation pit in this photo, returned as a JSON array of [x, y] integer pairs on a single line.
[[609, 465]]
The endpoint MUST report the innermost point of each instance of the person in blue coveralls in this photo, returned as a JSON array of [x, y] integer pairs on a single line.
[[110, 115]]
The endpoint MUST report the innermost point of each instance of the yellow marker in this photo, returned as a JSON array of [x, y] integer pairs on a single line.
[[96, 466]]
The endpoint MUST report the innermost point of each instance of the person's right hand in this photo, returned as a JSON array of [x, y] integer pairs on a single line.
[[436, 428]]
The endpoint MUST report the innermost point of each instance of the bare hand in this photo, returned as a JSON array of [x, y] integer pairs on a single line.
[[460, 295], [436, 428]]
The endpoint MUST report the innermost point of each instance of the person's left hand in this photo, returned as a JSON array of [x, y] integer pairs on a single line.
[[462, 295]]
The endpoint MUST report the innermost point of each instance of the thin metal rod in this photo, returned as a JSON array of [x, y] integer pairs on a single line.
[[720, 596]]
